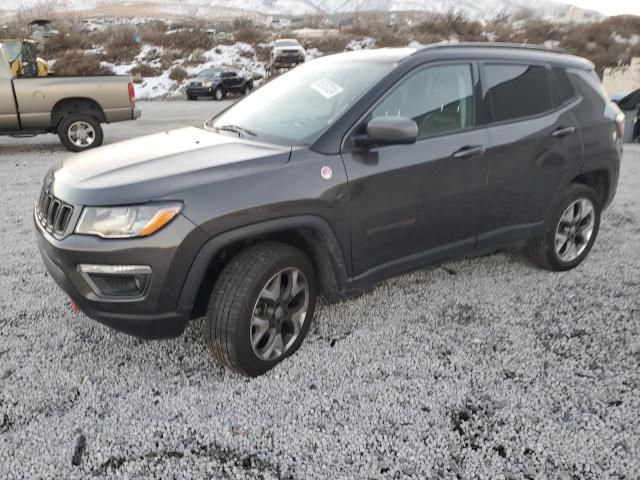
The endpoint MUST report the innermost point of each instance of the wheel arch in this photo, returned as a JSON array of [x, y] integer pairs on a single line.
[[82, 105], [600, 181], [311, 234]]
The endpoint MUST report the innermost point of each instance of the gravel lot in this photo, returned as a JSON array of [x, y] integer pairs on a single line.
[[483, 368]]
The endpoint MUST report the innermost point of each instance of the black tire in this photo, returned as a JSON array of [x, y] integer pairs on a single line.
[[542, 250], [218, 94], [66, 136], [192, 97], [236, 295], [247, 89]]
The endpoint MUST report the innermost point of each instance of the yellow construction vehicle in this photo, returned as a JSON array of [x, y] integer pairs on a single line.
[[23, 58]]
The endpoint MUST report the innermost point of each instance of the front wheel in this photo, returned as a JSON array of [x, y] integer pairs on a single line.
[[218, 94], [261, 307], [571, 231], [79, 132]]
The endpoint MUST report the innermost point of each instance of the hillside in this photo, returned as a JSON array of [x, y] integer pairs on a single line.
[[210, 8]]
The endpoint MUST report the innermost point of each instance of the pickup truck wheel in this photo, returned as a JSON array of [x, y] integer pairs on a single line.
[[80, 132], [571, 232], [246, 89], [191, 97], [218, 94], [261, 307]]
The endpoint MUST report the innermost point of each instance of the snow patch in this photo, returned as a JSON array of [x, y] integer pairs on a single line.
[[239, 57], [365, 43]]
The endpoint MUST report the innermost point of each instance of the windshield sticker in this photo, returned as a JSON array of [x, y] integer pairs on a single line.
[[327, 88]]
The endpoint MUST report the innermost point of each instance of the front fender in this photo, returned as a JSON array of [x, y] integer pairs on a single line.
[[326, 251]]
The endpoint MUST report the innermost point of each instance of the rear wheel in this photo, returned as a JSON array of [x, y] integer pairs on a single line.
[[191, 97], [261, 307], [571, 232], [79, 132]]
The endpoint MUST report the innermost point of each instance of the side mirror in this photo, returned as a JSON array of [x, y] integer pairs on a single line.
[[389, 131]]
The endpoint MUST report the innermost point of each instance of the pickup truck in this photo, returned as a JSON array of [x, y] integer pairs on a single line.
[[215, 83], [72, 107]]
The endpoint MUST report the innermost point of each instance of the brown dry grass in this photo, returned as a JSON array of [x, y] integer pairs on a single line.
[[76, 63], [144, 70], [178, 74], [330, 44], [250, 35], [593, 41]]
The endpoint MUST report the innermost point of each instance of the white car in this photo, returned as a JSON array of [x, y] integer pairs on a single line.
[[286, 53]]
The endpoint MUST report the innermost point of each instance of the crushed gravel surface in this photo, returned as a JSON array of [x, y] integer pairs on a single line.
[[485, 368]]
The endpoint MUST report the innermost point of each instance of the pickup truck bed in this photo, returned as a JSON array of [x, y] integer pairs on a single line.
[[72, 107]]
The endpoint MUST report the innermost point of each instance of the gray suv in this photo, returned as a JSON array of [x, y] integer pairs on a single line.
[[345, 171]]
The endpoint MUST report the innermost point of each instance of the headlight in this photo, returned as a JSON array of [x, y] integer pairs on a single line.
[[208, 84], [128, 221]]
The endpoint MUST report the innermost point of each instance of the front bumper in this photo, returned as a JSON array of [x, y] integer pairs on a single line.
[[287, 61], [198, 91], [169, 253]]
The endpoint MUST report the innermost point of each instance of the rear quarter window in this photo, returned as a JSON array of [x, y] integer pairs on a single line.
[[563, 85], [517, 91]]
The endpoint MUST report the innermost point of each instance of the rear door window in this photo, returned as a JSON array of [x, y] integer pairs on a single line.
[[517, 91]]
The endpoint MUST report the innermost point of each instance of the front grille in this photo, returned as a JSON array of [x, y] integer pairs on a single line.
[[53, 214]]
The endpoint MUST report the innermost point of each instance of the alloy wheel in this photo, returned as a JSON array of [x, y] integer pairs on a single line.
[[81, 134], [575, 229], [279, 314]]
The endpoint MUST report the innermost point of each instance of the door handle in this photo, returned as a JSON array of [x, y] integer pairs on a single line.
[[468, 152], [563, 132]]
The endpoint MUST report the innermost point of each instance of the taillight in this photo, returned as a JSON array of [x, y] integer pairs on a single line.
[[132, 93], [620, 121]]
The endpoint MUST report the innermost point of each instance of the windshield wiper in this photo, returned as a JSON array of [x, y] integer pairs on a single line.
[[237, 129]]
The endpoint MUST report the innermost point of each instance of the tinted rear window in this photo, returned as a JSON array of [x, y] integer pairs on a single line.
[[631, 101], [563, 85], [517, 91]]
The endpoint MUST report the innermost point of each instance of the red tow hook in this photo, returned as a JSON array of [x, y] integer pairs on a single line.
[[75, 308]]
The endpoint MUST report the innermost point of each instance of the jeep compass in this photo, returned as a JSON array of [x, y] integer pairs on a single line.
[[345, 171]]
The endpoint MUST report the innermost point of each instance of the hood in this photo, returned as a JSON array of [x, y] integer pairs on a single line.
[[160, 165], [202, 80]]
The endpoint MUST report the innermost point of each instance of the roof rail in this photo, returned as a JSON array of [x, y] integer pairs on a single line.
[[526, 46]]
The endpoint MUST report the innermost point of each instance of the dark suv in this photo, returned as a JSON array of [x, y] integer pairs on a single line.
[[345, 171], [215, 83]]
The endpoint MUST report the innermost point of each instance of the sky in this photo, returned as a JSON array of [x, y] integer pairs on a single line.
[[608, 7]]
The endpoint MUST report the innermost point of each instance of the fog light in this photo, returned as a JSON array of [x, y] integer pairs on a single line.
[[117, 280]]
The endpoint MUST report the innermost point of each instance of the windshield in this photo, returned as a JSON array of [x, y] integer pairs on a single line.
[[296, 108], [208, 73], [287, 43]]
